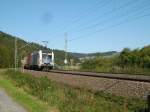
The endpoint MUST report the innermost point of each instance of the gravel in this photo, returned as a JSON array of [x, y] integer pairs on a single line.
[[8, 105], [114, 86]]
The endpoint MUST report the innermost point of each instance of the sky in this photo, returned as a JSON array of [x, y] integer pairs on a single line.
[[89, 25]]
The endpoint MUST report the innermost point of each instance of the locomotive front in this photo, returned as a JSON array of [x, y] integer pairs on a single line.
[[47, 61], [40, 60]]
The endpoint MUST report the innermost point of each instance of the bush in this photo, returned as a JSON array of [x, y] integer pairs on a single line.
[[69, 99], [131, 62]]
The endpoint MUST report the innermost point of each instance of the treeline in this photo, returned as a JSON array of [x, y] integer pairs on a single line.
[[7, 49], [128, 61], [135, 58]]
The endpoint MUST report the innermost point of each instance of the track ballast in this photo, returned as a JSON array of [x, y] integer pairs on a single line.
[[139, 78]]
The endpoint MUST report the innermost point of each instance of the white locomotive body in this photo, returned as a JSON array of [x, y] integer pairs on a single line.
[[39, 60]]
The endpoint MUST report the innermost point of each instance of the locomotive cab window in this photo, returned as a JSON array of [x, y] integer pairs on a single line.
[[46, 58]]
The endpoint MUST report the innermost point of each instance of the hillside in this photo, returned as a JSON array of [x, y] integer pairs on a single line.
[[83, 55], [7, 50], [128, 61]]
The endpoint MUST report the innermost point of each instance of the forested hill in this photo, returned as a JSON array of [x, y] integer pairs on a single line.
[[82, 55], [135, 61], [7, 50]]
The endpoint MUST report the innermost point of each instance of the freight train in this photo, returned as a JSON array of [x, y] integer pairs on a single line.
[[39, 60]]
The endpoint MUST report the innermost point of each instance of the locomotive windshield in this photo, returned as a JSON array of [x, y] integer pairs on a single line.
[[46, 58]]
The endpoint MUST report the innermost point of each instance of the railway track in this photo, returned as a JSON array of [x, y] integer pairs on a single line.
[[118, 84], [139, 78]]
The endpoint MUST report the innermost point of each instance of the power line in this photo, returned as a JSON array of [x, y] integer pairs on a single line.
[[111, 26], [103, 15], [66, 45], [86, 12], [127, 13], [106, 13], [16, 56], [94, 8]]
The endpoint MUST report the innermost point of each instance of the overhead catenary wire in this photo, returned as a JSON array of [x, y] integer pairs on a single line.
[[100, 5], [105, 14], [127, 4], [82, 15], [129, 14], [78, 18], [85, 14], [116, 17], [110, 26], [74, 21]]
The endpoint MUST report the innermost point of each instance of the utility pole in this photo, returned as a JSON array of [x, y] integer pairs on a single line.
[[66, 55], [21, 55], [16, 56]]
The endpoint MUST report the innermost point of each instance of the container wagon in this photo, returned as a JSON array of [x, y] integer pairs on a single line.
[[39, 60]]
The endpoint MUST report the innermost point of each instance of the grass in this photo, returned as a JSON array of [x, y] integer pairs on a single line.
[[62, 97], [110, 69], [32, 104], [118, 70]]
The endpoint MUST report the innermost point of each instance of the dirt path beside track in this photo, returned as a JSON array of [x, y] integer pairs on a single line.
[[8, 105]]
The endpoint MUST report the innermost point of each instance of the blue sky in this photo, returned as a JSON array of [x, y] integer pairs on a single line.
[[91, 25]]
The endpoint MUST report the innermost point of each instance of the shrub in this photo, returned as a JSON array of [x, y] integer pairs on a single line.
[[69, 99]]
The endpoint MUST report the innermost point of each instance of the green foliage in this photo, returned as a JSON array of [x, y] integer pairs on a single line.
[[68, 99], [35, 86], [136, 58], [134, 62], [30, 103], [7, 51], [82, 55], [99, 62]]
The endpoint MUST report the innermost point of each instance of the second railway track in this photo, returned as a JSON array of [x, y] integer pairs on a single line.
[[118, 84], [139, 78]]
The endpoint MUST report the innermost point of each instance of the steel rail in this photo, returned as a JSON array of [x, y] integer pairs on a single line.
[[139, 78]]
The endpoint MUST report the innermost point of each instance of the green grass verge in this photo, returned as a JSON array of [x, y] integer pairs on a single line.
[[118, 70], [65, 98], [31, 103]]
